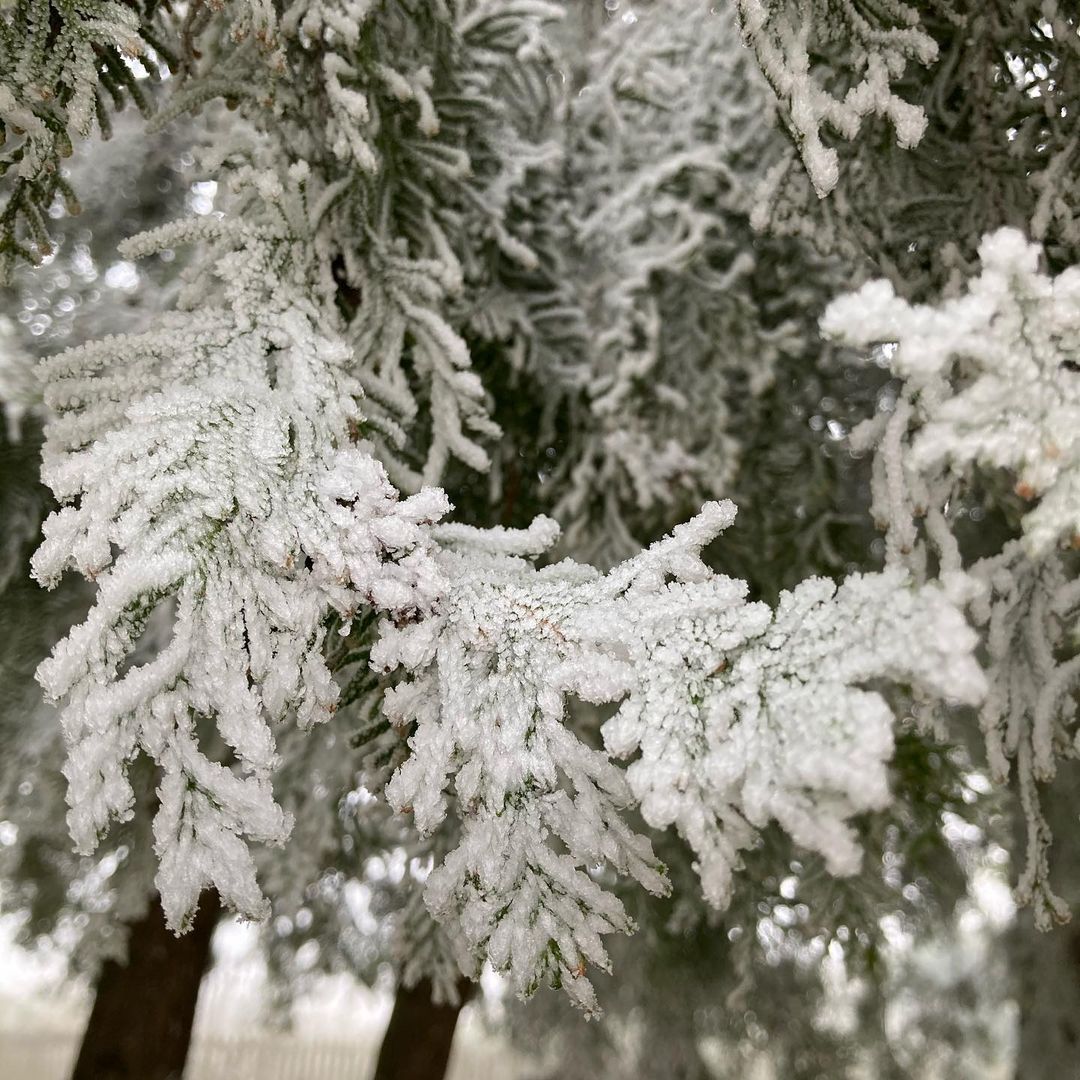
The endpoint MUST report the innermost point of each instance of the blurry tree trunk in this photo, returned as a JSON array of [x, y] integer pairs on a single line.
[[418, 1038], [1047, 967], [1046, 964], [140, 1025]]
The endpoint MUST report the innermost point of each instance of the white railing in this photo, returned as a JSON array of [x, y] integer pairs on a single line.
[[48, 1054]]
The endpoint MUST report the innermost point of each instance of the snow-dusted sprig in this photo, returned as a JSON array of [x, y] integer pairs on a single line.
[[211, 465], [252, 539], [990, 381], [1007, 157], [400, 332], [1029, 609], [539, 808], [417, 119], [869, 51], [58, 61], [742, 715], [990, 378], [465, 162]]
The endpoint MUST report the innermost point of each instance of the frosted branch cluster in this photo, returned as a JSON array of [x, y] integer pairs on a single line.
[[990, 376], [217, 468], [57, 63], [401, 253], [989, 386], [740, 715], [873, 51], [209, 465]]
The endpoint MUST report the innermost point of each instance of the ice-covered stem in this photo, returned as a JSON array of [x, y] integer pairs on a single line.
[[990, 379], [741, 715], [870, 50], [209, 468], [990, 383], [63, 65]]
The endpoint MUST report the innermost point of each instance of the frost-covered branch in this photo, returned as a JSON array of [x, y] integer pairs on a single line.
[[218, 464], [210, 466], [867, 48], [741, 715], [990, 385], [59, 61], [992, 376]]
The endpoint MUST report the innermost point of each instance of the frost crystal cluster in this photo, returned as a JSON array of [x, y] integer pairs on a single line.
[[57, 63], [872, 50], [224, 483], [991, 387], [439, 253], [741, 714]]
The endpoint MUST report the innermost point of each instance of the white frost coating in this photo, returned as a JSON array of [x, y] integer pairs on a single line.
[[52, 61], [993, 374], [210, 466], [487, 695], [1030, 609], [782, 35], [741, 715], [991, 379]]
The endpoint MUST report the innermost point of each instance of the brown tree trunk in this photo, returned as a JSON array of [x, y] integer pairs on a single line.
[[1047, 970], [140, 1025], [1046, 964], [418, 1038]]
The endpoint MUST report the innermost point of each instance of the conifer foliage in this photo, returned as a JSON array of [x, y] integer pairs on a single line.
[[428, 248]]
